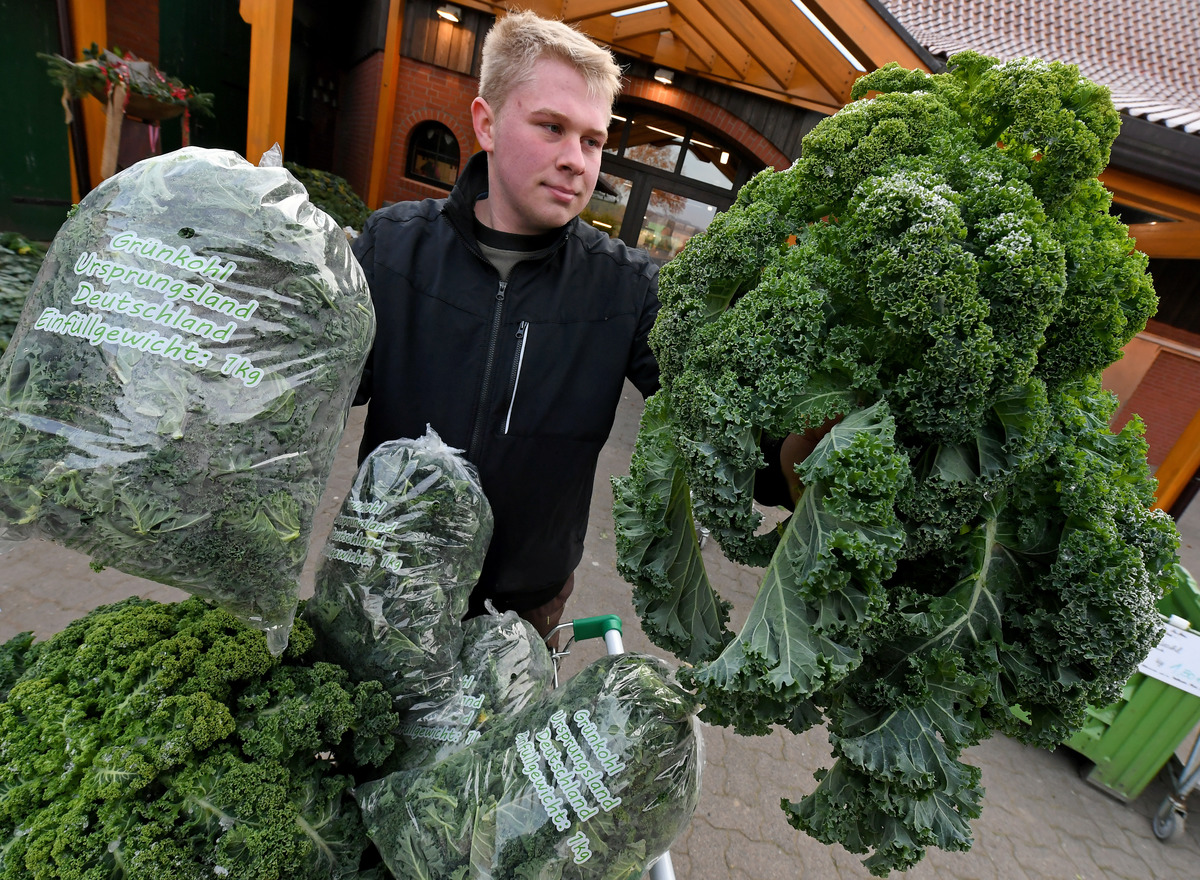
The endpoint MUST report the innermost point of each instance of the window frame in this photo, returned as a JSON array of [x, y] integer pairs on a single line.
[[415, 152]]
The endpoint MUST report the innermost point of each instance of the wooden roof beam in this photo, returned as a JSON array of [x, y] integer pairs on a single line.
[[724, 77], [1178, 240], [682, 48], [810, 47], [714, 32], [655, 21], [602, 29], [495, 7], [544, 8], [608, 29], [700, 48], [578, 10], [657, 47], [1151, 195], [803, 85], [864, 32], [385, 108], [270, 50], [758, 41], [676, 54]]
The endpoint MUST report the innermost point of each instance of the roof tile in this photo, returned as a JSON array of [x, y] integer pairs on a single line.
[[1147, 53]]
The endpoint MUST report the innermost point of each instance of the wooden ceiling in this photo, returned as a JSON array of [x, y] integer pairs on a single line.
[[768, 47]]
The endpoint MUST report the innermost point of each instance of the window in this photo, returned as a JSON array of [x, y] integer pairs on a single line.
[[670, 220], [663, 179], [433, 155], [656, 141], [610, 199], [650, 137]]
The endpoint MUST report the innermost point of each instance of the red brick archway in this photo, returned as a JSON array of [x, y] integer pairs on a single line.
[[715, 117]]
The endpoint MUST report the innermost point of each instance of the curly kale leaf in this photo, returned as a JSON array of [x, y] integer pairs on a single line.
[[15, 655], [974, 550], [153, 740], [1052, 608], [20, 260], [1109, 294], [1046, 115], [659, 551], [822, 587]]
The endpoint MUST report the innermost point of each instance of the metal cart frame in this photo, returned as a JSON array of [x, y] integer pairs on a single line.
[[1168, 822]]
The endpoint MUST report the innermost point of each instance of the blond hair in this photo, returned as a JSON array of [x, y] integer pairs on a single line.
[[518, 40]]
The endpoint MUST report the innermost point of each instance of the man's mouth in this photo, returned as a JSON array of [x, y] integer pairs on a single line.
[[565, 194]]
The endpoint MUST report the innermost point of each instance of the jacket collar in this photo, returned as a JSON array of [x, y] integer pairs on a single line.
[[471, 184]]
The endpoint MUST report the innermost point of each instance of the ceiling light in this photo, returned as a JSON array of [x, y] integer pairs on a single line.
[[645, 7], [724, 157], [827, 34], [450, 13], [664, 76], [669, 134]]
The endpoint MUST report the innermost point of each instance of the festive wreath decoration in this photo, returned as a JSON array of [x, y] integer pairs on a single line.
[[150, 94]]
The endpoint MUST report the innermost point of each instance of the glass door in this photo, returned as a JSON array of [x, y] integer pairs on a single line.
[[609, 203], [662, 180], [656, 215], [670, 220]]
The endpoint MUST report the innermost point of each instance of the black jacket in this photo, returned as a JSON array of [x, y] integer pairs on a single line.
[[524, 377]]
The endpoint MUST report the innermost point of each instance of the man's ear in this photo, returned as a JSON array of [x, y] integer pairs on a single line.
[[484, 120]]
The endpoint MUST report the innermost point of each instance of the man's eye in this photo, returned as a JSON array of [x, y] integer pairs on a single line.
[[554, 127]]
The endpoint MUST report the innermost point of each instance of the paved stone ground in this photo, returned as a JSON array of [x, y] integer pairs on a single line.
[[1041, 820]]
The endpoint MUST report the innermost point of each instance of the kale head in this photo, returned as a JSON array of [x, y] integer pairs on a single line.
[[938, 277]]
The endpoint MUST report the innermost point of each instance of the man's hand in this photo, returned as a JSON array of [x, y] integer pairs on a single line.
[[796, 448]]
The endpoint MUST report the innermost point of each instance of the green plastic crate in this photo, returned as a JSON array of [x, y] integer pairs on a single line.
[[1130, 740]]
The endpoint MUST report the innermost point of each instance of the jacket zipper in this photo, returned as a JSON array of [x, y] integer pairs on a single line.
[[522, 339], [488, 368]]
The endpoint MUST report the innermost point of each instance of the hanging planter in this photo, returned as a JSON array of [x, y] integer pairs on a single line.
[[127, 86]]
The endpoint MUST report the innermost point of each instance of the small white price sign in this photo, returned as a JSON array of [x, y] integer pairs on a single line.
[[1175, 660]]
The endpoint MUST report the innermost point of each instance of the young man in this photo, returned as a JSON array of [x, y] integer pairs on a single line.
[[506, 323]]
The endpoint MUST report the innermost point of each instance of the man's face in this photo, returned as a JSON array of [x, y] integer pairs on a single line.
[[544, 148]]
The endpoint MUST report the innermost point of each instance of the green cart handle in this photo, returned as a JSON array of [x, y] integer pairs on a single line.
[[602, 626]]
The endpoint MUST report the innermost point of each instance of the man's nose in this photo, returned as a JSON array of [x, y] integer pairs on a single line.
[[571, 156]]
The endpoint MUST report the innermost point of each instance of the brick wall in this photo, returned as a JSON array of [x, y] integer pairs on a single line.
[[425, 92], [428, 93], [133, 26], [358, 97], [1169, 394]]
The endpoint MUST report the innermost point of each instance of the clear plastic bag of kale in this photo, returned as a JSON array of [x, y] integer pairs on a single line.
[[593, 780], [402, 558], [176, 388], [504, 666]]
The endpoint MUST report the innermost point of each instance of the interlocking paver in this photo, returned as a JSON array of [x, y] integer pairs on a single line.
[[1041, 820]]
